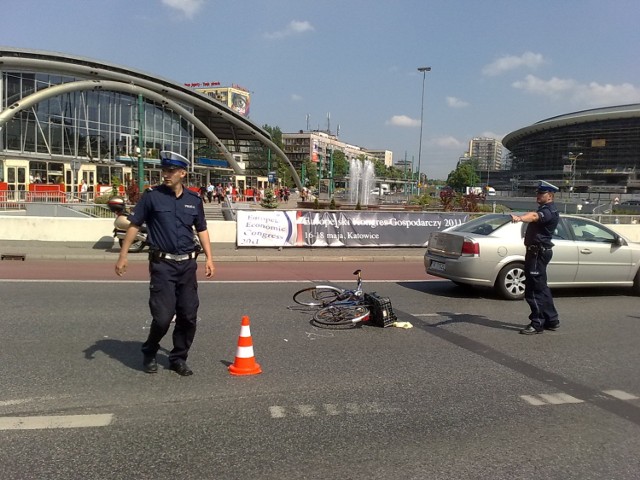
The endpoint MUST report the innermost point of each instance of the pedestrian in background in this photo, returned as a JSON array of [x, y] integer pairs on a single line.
[[210, 189], [84, 190], [537, 241], [171, 212]]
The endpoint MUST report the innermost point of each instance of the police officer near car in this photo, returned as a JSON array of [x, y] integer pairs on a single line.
[[171, 212], [537, 241]]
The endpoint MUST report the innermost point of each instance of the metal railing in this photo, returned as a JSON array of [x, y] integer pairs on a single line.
[[16, 201]]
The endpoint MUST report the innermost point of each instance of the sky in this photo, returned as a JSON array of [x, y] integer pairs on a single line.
[[496, 65]]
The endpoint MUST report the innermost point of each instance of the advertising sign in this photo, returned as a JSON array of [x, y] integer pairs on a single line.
[[291, 228]]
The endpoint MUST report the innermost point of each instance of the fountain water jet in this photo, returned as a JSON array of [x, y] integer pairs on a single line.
[[361, 181]]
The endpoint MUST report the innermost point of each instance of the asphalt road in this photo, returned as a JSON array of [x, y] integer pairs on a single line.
[[459, 396]]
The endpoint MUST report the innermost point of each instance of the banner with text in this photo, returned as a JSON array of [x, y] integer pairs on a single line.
[[291, 228]]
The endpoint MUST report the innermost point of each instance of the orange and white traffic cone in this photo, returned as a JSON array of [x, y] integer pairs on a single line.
[[245, 363]]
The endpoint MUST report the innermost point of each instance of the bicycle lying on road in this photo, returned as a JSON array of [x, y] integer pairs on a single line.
[[341, 307]]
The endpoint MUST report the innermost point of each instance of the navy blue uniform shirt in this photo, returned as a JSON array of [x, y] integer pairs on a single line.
[[170, 219], [540, 232]]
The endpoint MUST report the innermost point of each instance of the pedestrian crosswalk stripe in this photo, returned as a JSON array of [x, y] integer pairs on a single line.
[[620, 395]]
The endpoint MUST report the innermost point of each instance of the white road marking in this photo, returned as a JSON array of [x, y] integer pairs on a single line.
[[560, 398], [306, 410], [47, 422], [277, 412], [550, 399], [6, 403], [330, 409], [207, 282], [620, 395], [530, 399]]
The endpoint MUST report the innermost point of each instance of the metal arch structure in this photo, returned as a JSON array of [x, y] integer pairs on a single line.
[[127, 80], [108, 85]]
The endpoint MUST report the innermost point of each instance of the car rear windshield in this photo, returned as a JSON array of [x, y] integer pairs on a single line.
[[484, 225]]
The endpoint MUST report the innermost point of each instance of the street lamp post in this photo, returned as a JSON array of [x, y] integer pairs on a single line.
[[424, 71], [141, 143], [574, 158]]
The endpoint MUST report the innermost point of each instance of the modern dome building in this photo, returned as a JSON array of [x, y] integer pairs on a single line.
[[65, 118], [589, 151]]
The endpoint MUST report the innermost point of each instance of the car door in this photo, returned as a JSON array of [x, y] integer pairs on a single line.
[[564, 263], [600, 258]]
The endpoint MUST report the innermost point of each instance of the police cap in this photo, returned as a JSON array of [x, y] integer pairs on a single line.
[[544, 187], [173, 160]]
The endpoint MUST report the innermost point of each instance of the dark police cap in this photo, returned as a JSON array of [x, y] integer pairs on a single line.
[[173, 160], [544, 187]]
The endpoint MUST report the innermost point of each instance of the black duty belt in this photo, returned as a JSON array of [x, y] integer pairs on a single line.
[[158, 255]]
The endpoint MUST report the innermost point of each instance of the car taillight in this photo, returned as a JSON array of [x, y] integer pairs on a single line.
[[470, 248]]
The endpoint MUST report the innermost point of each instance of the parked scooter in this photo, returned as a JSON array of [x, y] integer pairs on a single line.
[[121, 224]]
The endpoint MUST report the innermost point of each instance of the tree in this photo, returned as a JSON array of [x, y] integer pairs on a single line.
[[269, 200], [340, 164], [312, 173], [380, 168], [463, 176]]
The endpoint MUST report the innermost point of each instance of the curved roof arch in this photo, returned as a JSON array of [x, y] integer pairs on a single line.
[[221, 121], [575, 118], [51, 92]]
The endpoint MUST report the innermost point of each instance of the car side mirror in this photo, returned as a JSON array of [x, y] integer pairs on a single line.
[[620, 241]]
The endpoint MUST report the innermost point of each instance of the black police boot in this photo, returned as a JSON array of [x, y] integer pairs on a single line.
[[530, 330], [149, 364], [181, 368]]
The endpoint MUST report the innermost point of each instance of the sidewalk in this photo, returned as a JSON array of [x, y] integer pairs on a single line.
[[222, 252]]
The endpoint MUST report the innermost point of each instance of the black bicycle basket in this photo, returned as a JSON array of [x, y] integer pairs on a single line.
[[381, 312]]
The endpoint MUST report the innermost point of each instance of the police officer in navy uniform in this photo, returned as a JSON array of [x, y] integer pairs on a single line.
[[537, 241], [170, 212]]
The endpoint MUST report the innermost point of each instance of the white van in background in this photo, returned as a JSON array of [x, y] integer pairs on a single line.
[[384, 188]]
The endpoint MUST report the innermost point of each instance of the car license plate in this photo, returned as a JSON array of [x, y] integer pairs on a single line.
[[439, 266]]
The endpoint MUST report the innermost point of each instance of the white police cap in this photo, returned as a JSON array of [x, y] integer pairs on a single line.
[[547, 187], [173, 160]]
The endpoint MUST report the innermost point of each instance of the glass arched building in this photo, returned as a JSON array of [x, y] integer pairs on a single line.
[[66, 118], [589, 151]]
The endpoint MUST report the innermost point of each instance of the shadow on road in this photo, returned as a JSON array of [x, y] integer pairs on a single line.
[[448, 289], [475, 320], [126, 352]]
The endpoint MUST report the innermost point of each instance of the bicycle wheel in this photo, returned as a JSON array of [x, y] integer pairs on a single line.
[[341, 315], [317, 296]]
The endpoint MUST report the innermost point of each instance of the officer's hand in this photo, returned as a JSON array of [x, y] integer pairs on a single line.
[[209, 269], [121, 266]]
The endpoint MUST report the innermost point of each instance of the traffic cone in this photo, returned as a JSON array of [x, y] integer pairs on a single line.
[[245, 363]]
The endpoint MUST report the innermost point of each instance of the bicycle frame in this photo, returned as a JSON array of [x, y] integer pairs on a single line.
[[324, 295], [352, 297]]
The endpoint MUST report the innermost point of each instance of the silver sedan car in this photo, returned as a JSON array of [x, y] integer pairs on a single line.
[[489, 252]]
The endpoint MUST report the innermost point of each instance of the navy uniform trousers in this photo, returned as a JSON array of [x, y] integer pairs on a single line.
[[536, 291], [173, 290]]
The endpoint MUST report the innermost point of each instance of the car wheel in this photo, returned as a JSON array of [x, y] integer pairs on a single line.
[[510, 282]]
